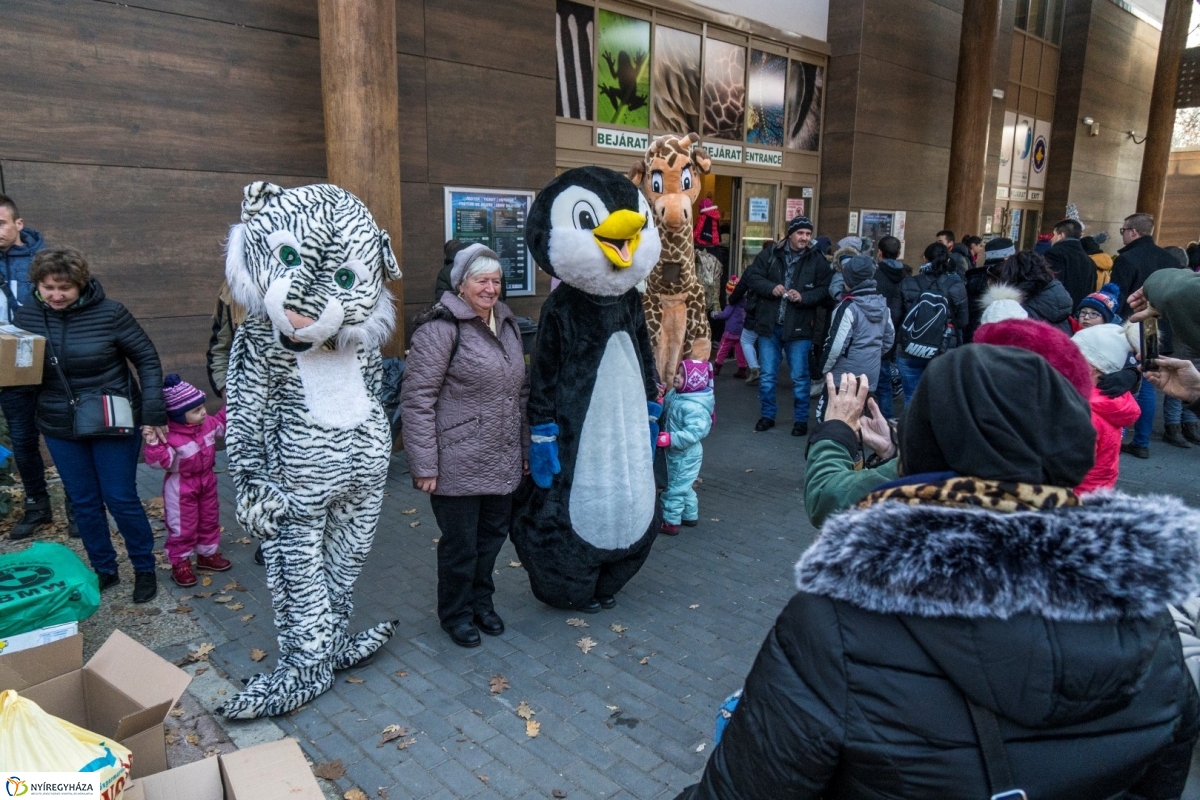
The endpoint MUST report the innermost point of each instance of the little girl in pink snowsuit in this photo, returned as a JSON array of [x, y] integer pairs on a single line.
[[190, 505]]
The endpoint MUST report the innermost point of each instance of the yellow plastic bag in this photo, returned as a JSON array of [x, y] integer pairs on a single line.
[[33, 741]]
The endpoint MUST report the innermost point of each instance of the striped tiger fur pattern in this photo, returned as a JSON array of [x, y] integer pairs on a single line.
[[308, 440]]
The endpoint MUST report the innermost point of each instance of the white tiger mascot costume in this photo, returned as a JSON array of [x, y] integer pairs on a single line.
[[308, 440]]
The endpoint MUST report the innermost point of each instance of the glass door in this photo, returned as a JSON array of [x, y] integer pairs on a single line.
[[758, 214]]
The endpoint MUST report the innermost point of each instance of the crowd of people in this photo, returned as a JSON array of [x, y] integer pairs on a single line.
[[978, 614]]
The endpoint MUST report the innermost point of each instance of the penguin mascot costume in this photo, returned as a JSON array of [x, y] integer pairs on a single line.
[[583, 525]]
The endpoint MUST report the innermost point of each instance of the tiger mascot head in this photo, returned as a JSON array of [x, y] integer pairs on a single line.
[[313, 261]]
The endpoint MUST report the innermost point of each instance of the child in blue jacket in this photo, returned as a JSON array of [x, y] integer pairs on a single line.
[[689, 419]]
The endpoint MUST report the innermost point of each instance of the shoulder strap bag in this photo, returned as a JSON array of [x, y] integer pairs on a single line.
[[995, 758], [93, 414]]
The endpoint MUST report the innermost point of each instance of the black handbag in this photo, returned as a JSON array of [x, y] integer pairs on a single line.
[[94, 414]]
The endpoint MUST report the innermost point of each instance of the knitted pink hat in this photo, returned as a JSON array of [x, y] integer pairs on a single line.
[[697, 375], [180, 396]]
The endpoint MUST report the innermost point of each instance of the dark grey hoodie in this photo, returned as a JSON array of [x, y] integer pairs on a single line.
[[861, 330]]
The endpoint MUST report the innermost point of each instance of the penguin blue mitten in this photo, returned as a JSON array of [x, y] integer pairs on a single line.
[[543, 454], [655, 411]]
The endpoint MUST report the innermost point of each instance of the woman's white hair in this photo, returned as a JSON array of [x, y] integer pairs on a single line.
[[474, 259], [482, 266]]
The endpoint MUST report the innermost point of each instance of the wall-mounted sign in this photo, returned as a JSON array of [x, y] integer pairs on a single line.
[[621, 140], [495, 217], [901, 225], [760, 210], [1014, 226], [1001, 192], [793, 207], [1041, 153], [853, 226], [1035, 194], [807, 191], [764, 158], [1006, 148], [1022, 151], [723, 152], [875, 225], [1019, 194]]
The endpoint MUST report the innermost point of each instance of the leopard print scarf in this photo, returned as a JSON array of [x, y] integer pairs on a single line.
[[966, 492]]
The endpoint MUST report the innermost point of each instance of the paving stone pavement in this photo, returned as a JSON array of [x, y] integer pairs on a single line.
[[632, 718]]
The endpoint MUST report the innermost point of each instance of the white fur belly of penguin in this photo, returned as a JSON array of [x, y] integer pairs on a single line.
[[612, 493]]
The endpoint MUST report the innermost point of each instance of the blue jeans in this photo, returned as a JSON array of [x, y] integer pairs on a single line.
[[1147, 402], [883, 388], [771, 351], [19, 404], [102, 473], [749, 342], [1174, 413], [911, 370]]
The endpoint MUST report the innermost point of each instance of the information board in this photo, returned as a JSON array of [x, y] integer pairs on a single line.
[[495, 217]]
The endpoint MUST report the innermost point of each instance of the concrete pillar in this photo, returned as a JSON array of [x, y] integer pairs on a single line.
[[972, 113], [1157, 154], [360, 94]]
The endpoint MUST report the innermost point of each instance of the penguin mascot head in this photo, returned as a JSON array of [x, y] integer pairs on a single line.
[[592, 229]]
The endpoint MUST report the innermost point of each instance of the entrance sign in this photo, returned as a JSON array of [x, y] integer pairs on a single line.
[[764, 158], [621, 140], [496, 218], [723, 152]]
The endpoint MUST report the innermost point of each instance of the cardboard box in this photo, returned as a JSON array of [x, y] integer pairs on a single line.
[[124, 691], [21, 356], [46, 635], [273, 771]]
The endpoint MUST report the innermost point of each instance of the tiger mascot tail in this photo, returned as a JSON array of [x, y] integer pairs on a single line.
[[308, 440]]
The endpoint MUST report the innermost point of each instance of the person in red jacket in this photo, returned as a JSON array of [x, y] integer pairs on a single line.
[[707, 232], [1106, 350], [191, 508]]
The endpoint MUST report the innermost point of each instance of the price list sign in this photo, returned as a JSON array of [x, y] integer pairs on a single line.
[[495, 217]]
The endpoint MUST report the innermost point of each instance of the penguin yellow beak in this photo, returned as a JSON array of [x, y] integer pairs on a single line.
[[619, 236]]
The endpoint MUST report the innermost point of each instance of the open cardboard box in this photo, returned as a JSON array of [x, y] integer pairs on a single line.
[[273, 771], [21, 355], [124, 691]]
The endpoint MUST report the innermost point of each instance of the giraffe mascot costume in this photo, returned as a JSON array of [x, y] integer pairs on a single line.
[[669, 176]]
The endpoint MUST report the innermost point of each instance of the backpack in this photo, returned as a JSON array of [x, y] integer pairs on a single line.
[[927, 329]]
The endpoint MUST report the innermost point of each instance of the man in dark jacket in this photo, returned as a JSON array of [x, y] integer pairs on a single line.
[[1072, 266], [1138, 259], [979, 277], [18, 246], [888, 277], [790, 281], [952, 626]]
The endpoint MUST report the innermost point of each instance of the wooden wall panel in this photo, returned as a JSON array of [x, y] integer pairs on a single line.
[[182, 345], [918, 34], [841, 95], [1017, 57], [1181, 211], [414, 119], [489, 128], [1031, 62], [298, 17], [410, 27], [99, 83], [153, 237], [898, 103], [889, 174], [516, 36], [1115, 53]]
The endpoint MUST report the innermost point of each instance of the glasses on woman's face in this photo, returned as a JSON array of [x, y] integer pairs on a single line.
[[1089, 314]]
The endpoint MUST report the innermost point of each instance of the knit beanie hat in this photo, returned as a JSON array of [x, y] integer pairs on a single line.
[[697, 375], [465, 257], [851, 241], [798, 223], [1104, 301], [180, 396], [822, 244], [731, 284], [1044, 339], [1090, 246], [1104, 346], [706, 204], [998, 249], [857, 270], [1001, 302]]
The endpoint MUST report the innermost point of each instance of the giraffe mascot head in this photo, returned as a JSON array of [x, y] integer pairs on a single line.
[[669, 176]]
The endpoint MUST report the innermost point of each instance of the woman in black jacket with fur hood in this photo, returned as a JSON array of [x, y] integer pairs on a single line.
[[94, 339], [973, 628]]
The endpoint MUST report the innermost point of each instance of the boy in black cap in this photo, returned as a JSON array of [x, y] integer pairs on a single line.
[[790, 280]]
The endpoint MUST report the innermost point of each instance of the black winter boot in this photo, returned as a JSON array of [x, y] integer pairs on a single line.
[[145, 586], [37, 514], [1173, 434], [1191, 432]]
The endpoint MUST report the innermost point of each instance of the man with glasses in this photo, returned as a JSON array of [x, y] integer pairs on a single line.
[[1136, 261]]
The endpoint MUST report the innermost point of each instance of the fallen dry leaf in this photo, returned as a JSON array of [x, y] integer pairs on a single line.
[[204, 595], [229, 587], [243, 540], [532, 729], [694, 605], [382, 792], [192, 738], [558, 793], [404, 744], [576, 622], [644, 661], [524, 711], [330, 770], [435, 541], [355, 794], [586, 644], [391, 732], [235, 606], [212, 752], [177, 712], [415, 524], [201, 652], [514, 564], [181, 610], [400, 673], [246, 617], [171, 738], [257, 655], [220, 691], [618, 628], [483, 778], [355, 680], [498, 683], [224, 598], [206, 581], [410, 511], [613, 708], [201, 670]]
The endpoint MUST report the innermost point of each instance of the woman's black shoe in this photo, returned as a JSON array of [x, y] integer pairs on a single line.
[[258, 557], [591, 606], [464, 634], [145, 586], [107, 580], [607, 601], [764, 424], [489, 622]]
